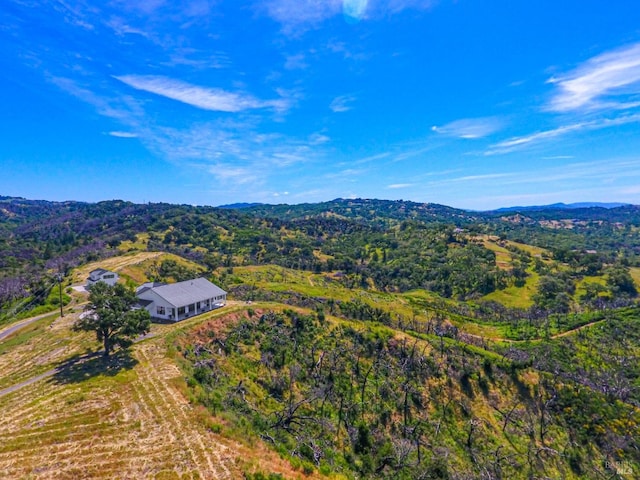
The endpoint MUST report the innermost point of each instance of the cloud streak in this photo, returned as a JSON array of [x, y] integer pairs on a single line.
[[603, 81], [213, 99], [342, 103], [119, 134], [297, 16], [470, 128], [572, 173], [517, 143], [395, 186], [235, 153]]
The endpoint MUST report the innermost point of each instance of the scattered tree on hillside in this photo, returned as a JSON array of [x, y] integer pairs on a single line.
[[620, 282], [554, 293], [110, 315]]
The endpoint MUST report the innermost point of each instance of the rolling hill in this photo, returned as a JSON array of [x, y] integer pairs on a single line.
[[364, 339]]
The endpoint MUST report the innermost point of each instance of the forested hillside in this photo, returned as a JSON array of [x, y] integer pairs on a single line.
[[368, 402], [379, 339], [383, 245]]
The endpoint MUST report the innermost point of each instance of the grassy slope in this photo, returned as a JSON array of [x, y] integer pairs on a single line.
[[409, 305], [84, 423], [128, 421], [516, 297], [132, 265], [139, 244], [136, 421], [635, 274]]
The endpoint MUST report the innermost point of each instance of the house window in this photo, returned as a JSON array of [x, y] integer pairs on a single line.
[[181, 311], [108, 276], [161, 311]]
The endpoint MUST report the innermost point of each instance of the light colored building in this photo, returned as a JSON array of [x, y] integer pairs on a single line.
[[177, 301], [102, 275]]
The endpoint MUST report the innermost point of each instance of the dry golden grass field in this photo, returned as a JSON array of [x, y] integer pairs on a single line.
[[65, 417]]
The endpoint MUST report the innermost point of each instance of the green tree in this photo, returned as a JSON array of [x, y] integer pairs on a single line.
[[592, 292], [554, 293], [110, 315], [620, 282]]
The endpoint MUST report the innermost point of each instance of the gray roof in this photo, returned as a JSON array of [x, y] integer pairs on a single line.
[[96, 274], [148, 286], [188, 292]]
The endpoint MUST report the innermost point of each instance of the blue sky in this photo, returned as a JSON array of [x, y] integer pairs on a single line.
[[468, 103]]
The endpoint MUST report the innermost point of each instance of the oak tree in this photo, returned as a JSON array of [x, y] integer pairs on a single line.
[[111, 315]]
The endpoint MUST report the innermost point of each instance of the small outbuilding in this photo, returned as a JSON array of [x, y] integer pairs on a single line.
[[102, 275], [177, 301]]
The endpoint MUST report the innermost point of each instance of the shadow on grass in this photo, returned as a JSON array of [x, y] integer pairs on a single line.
[[84, 367]]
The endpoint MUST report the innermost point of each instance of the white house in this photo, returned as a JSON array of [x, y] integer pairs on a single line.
[[102, 275], [177, 301]]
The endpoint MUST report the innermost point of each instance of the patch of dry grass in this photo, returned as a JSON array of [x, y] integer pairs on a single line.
[[134, 422], [131, 266], [116, 264], [635, 274]]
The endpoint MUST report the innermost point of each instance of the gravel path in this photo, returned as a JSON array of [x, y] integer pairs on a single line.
[[17, 386], [23, 323]]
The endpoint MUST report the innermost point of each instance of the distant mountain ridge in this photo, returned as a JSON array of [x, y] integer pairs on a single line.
[[562, 206], [233, 206]]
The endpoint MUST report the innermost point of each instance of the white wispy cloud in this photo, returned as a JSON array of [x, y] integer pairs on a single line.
[[482, 177], [120, 134], [342, 103], [600, 172], [347, 173], [470, 127], [369, 159], [196, 58], [231, 173], [395, 6], [608, 179], [354, 9], [121, 28], [400, 185], [296, 16], [295, 62], [516, 143], [122, 108], [603, 81], [235, 153], [200, 97], [318, 139], [408, 152]]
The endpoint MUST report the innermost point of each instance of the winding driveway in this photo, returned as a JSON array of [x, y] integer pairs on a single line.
[[23, 323]]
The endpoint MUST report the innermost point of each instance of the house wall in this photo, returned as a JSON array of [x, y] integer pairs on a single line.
[[158, 301], [182, 312], [110, 278]]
